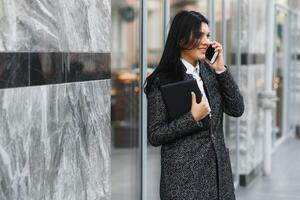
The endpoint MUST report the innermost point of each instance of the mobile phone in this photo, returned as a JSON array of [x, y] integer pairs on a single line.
[[211, 54]]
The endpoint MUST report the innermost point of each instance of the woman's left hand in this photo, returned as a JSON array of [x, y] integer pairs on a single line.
[[218, 65]]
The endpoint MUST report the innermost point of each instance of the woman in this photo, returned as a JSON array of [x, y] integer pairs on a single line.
[[195, 162]]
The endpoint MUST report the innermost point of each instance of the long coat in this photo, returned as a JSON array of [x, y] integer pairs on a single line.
[[195, 163]]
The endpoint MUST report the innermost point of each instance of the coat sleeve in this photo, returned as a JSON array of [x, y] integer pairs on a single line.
[[233, 103], [160, 130]]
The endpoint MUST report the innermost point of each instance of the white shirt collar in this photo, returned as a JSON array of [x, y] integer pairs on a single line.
[[190, 69]]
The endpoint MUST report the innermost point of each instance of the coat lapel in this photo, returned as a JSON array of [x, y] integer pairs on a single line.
[[185, 75], [205, 77]]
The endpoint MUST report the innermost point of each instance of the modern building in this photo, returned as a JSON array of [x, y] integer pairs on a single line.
[[73, 115]]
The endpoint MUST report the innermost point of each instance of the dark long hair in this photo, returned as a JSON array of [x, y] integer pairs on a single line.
[[184, 34]]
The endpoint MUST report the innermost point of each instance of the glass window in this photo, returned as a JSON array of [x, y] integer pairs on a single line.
[[196, 5], [230, 49], [155, 48], [155, 31], [218, 18], [125, 151], [279, 63], [294, 73]]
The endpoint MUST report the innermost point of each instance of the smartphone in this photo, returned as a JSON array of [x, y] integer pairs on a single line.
[[211, 54]]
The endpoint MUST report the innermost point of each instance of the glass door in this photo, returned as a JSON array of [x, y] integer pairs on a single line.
[[125, 92], [155, 44], [227, 12], [293, 74], [280, 80]]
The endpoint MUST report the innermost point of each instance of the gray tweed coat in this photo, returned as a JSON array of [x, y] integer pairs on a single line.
[[195, 163]]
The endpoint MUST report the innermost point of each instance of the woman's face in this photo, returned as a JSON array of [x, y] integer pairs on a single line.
[[198, 53]]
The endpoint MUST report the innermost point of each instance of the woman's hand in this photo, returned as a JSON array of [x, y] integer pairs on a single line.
[[199, 110], [218, 65]]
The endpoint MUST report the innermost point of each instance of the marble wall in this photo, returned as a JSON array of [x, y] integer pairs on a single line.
[[61, 25], [55, 136], [55, 142]]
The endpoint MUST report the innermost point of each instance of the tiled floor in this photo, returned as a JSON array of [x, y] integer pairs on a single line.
[[284, 181]]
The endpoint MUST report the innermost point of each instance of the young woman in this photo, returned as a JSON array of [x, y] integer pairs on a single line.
[[195, 162]]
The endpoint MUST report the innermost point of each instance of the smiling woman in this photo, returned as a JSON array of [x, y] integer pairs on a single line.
[[195, 162], [195, 48]]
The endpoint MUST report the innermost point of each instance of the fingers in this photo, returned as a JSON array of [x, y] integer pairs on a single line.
[[203, 102], [204, 99], [217, 46], [193, 98], [207, 108], [208, 62]]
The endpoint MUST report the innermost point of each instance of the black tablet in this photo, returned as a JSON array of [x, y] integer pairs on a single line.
[[177, 97]]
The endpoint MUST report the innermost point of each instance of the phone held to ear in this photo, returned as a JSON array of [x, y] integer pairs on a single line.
[[211, 54]]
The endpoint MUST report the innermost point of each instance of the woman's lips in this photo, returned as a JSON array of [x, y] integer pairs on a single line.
[[203, 50]]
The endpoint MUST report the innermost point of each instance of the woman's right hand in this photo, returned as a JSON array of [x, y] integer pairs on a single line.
[[199, 110]]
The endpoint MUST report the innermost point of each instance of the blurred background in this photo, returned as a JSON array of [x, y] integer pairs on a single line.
[[261, 42]]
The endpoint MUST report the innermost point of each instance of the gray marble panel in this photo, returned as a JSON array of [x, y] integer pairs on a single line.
[[55, 142], [61, 25]]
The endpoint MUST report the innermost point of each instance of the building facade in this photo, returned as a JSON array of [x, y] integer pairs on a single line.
[[73, 115]]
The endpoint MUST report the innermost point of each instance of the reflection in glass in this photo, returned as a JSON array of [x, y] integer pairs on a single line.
[[155, 33], [197, 5], [278, 74], [155, 49], [294, 77], [218, 17], [46, 68], [87, 66], [125, 150], [230, 49], [14, 70]]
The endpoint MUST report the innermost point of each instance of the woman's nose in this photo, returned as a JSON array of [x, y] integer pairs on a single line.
[[205, 41]]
